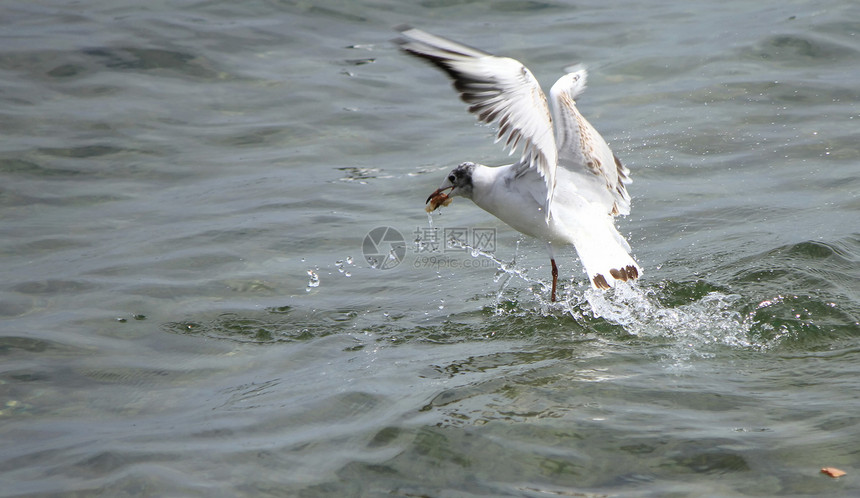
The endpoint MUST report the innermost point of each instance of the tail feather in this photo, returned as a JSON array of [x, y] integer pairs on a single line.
[[604, 254]]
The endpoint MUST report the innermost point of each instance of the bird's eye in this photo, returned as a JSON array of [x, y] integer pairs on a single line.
[[451, 178]]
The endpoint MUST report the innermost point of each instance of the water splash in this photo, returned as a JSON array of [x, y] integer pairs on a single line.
[[342, 266], [712, 319], [313, 281], [505, 270]]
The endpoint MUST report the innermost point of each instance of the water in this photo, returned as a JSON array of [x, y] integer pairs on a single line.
[[187, 309]]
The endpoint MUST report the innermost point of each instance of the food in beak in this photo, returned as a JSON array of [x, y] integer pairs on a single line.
[[436, 199]]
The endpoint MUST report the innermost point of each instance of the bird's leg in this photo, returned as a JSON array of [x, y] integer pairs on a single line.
[[554, 270]]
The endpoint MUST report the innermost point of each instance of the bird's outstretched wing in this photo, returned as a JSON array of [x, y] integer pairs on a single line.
[[500, 91], [581, 148]]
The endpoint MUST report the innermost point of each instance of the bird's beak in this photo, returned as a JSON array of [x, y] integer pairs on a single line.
[[438, 198], [439, 192]]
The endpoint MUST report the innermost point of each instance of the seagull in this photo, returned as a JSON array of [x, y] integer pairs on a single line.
[[566, 187]]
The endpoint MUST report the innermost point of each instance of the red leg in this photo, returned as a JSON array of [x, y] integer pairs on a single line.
[[554, 279]]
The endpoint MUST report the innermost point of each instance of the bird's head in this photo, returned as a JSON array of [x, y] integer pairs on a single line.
[[457, 183]]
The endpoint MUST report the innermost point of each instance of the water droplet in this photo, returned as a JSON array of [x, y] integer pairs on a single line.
[[314, 280]]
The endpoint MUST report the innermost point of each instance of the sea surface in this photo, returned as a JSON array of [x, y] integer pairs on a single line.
[[218, 278]]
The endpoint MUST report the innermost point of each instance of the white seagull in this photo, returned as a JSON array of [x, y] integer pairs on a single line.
[[567, 185]]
